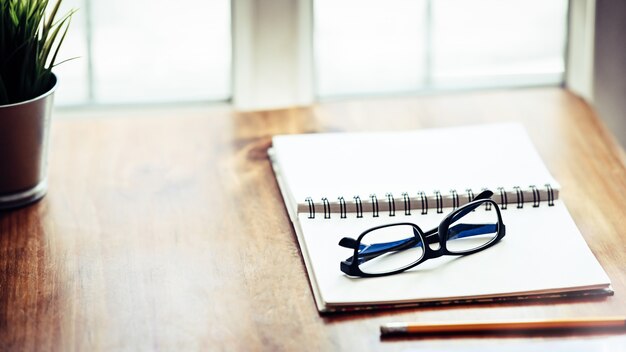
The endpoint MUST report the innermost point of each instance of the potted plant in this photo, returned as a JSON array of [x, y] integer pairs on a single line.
[[31, 34]]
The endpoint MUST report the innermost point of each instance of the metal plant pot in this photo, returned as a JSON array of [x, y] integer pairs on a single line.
[[24, 131]]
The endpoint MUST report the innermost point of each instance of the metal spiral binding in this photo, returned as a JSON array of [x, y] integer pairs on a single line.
[[550, 195], [424, 202], [453, 196], [311, 207], [359, 206], [504, 202], [536, 198], [342, 207], [374, 200], [439, 202], [520, 197], [326, 208], [407, 203], [392, 204], [470, 195]]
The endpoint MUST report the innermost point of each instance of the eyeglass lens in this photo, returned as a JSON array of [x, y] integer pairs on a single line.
[[472, 230], [390, 248]]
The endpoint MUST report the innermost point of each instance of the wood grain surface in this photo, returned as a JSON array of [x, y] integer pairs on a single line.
[[164, 230]]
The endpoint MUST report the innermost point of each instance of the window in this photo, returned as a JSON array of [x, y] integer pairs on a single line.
[[146, 51], [369, 46], [390, 46]]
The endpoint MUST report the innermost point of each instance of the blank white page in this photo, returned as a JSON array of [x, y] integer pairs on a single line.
[[349, 164]]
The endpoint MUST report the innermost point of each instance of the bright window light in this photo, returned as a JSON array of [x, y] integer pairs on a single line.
[[147, 51], [369, 46], [493, 42], [73, 79], [391, 46]]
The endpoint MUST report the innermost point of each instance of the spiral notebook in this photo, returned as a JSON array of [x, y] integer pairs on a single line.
[[340, 184]]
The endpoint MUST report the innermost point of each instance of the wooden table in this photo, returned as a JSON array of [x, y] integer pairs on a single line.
[[164, 229]]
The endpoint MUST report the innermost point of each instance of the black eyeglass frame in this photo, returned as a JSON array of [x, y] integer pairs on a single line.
[[351, 267]]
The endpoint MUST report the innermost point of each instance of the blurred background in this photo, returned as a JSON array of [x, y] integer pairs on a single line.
[[146, 51], [266, 54]]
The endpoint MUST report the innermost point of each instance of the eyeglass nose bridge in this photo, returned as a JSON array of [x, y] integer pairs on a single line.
[[433, 245]]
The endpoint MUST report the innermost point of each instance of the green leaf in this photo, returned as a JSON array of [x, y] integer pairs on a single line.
[[66, 60], [54, 57], [30, 43], [53, 14], [13, 15]]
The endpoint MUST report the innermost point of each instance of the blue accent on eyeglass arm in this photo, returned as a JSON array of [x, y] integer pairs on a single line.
[[469, 230], [380, 248], [367, 252]]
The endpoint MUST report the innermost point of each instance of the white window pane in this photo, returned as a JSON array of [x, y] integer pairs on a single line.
[[366, 46], [160, 51], [73, 82], [495, 42]]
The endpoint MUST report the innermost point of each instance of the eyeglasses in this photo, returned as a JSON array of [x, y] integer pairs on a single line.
[[393, 248]]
